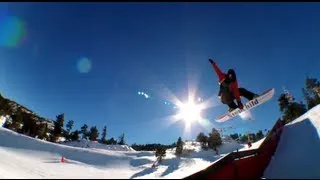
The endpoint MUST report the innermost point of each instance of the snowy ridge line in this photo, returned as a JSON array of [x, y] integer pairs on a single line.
[[244, 164]]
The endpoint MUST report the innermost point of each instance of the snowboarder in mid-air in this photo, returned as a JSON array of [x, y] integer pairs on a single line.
[[229, 90]]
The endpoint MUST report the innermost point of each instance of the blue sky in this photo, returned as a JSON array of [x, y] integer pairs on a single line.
[[149, 47]]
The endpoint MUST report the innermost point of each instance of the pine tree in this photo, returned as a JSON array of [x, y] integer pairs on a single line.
[[42, 130], [160, 153], [69, 126], [310, 92], [244, 138], [179, 147], [214, 139], [5, 108], [112, 141], [104, 135], [283, 102], [33, 130], [294, 111], [259, 135], [84, 131], [234, 136], [29, 124], [75, 135], [94, 133], [290, 109], [203, 139], [45, 132], [58, 125], [17, 119], [122, 140]]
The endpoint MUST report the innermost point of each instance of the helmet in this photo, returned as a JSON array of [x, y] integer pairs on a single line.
[[232, 75]]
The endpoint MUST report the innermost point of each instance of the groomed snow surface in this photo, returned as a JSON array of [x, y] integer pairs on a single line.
[[26, 157], [297, 156]]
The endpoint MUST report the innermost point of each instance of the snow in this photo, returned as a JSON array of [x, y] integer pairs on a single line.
[[3, 119], [297, 155], [26, 157], [255, 145], [96, 145]]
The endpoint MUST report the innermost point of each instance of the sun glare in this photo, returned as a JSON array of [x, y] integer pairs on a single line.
[[189, 112], [192, 110]]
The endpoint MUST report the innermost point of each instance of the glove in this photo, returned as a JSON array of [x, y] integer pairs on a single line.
[[240, 105], [211, 61]]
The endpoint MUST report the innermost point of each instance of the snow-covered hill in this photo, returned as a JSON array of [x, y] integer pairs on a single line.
[[26, 157], [297, 156]]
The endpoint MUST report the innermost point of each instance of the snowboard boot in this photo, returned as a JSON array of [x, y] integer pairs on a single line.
[[255, 96], [231, 109], [232, 106]]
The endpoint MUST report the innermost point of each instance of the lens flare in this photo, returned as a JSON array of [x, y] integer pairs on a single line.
[[84, 65], [12, 31]]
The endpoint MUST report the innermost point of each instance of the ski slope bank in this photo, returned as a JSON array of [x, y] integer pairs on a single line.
[[297, 155], [31, 164], [10, 139], [26, 157]]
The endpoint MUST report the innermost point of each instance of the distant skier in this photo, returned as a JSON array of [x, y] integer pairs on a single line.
[[229, 90]]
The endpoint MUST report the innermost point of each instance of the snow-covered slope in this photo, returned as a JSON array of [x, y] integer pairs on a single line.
[[298, 153], [26, 157], [96, 145]]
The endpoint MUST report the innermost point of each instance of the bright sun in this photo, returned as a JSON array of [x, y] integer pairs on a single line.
[[189, 112]]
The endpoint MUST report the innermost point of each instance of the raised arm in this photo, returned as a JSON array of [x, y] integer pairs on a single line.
[[220, 74]]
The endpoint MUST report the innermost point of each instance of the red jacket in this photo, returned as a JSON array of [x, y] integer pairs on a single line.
[[233, 87]]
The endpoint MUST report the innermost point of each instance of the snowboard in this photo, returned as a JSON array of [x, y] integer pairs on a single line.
[[264, 97]]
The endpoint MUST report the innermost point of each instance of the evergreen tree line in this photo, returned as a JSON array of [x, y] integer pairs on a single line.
[[151, 147], [212, 141], [160, 151], [243, 138], [291, 109], [35, 126]]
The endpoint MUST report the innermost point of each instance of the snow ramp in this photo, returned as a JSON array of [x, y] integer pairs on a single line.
[[298, 153], [288, 151]]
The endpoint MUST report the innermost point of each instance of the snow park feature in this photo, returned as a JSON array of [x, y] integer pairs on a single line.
[[288, 151]]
